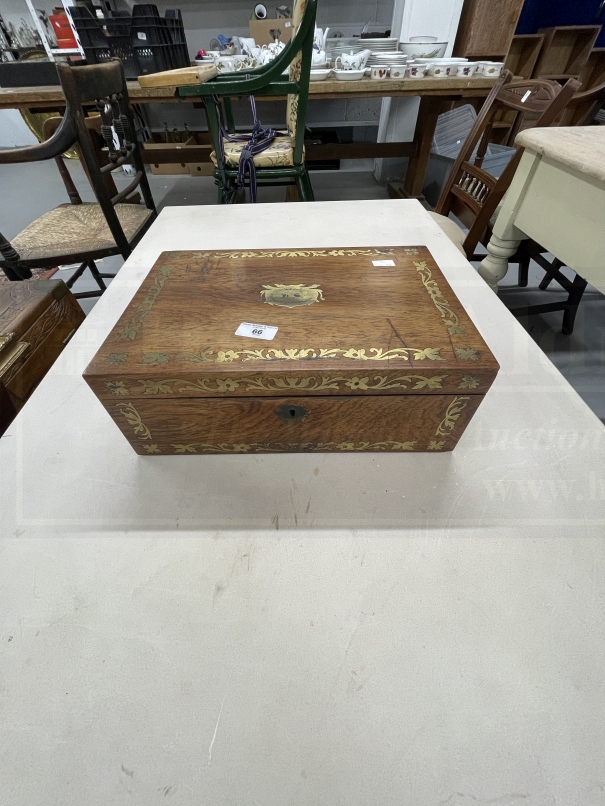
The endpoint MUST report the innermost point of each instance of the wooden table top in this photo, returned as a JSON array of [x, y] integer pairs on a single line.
[[36, 97]]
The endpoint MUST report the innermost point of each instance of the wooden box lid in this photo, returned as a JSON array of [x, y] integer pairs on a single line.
[[350, 321]]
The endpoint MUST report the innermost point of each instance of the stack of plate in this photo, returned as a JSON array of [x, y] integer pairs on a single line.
[[382, 45], [386, 58]]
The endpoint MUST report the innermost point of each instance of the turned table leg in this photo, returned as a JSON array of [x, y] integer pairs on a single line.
[[493, 267]]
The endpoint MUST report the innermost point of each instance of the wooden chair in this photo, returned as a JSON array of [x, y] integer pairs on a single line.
[[84, 232], [580, 111], [472, 194], [284, 159]]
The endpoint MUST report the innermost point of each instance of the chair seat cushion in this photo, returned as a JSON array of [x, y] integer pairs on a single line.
[[71, 229], [456, 235], [280, 153]]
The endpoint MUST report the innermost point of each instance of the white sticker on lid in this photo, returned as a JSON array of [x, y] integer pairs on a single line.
[[383, 263], [526, 96], [287, 25], [141, 35], [256, 331]]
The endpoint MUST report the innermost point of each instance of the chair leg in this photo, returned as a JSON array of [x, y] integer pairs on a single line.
[[304, 187], [575, 295], [76, 275], [95, 273], [550, 275], [523, 277]]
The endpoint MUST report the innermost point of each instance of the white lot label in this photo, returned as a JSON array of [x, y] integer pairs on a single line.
[[288, 25], [141, 35], [526, 96], [256, 331], [383, 262]]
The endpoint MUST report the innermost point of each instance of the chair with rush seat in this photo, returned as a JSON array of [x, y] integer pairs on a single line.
[[84, 232]]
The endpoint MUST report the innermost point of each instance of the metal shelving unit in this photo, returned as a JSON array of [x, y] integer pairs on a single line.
[[50, 51]]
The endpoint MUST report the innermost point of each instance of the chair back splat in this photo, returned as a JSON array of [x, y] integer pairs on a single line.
[[471, 193], [97, 104]]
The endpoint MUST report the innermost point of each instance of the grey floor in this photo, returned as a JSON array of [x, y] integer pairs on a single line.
[[27, 191]]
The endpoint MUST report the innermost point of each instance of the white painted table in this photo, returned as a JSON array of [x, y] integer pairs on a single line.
[[557, 198], [289, 630]]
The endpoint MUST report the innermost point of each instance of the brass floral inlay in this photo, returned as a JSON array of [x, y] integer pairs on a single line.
[[452, 415], [291, 296], [117, 388], [435, 445], [450, 320], [259, 384], [305, 447], [299, 253], [467, 353], [469, 382], [132, 328], [116, 358], [208, 356], [134, 419], [152, 449]]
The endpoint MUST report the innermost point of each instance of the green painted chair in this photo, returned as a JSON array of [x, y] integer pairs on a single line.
[[284, 159]]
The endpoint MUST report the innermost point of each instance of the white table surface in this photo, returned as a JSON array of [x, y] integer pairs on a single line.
[[304, 629]]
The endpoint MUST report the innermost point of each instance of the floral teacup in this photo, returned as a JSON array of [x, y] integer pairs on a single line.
[[417, 70]]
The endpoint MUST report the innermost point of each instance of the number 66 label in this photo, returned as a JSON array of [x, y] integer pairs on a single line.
[[256, 331]]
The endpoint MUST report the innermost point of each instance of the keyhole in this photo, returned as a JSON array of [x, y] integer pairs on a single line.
[[290, 413]]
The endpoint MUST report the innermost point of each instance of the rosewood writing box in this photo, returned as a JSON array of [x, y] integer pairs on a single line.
[[373, 352]]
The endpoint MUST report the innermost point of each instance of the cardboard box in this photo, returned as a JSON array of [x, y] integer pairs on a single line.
[[261, 30], [201, 168], [172, 168]]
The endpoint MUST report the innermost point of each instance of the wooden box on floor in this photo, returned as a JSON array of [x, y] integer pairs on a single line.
[[373, 352], [37, 319]]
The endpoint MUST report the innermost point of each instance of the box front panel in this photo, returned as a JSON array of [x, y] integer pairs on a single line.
[[296, 424]]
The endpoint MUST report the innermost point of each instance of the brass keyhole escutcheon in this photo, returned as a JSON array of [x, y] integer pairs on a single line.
[[290, 413]]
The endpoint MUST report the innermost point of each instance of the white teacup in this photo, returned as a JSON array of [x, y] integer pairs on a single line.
[[466, 69], [379, 72], [490, 69], [399, 71], [226, 64], [442, 69], [353, 61], [417, 70]]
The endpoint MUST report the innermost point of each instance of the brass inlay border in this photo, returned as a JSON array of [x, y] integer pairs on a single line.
[[450, 320], [171, 386], [5, 338], [305, 447], [208, 356], [10, 357], [134, 419], [297, 253], [132, 328], [452, 415]]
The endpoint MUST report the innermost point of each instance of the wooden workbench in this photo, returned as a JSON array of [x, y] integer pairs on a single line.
[[437, 95]]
